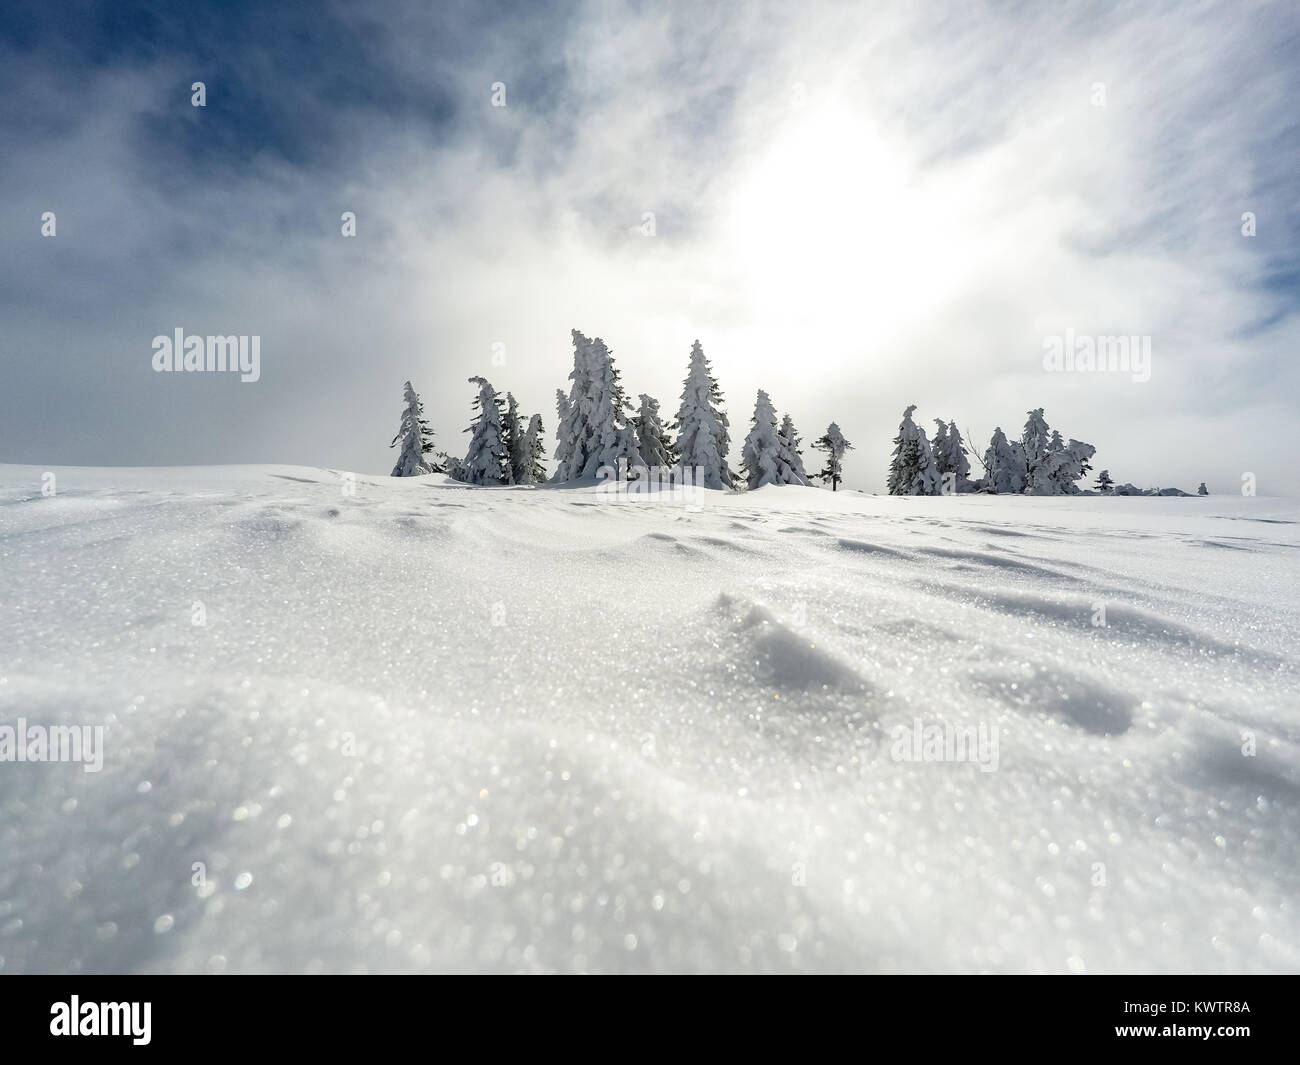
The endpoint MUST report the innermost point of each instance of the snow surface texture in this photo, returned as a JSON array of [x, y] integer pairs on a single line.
[[618, 737]]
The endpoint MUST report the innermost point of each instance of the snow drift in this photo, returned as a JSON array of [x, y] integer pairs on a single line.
[[423, 726]]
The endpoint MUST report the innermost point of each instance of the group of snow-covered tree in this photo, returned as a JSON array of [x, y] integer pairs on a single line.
[[502, 450], [599, 429], [1040, 463]]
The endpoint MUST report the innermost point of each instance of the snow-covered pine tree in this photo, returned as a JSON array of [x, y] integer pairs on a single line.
[[595, 430], [938, 447], [724, 438], [512, 436], [1036, 440], [1085, 467], [653, 442], [833, 443], [955, 461], [1104, 482], [535, 450], [486, 460], [912, 471], [791, 458], [1057, 473], [563, 447], [1004, 462], [612, 435], [760, 454], [701, 426], [572, 429], [1059, 464], [1202, 491], [416, 439]]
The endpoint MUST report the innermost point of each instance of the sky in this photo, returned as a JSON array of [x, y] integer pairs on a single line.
[[855, 207]]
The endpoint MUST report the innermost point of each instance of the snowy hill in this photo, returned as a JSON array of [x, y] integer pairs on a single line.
[[432, 727]]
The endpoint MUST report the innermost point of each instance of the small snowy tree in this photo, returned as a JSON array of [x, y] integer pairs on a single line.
[[486, 460], [512, 435], [1036, 440], [724, 437], [416, 439], [790, 460], [534, 471], [653, 442], [572, 430], [950, 462], [833, 443], [912, 471], [938, 447], [1104, 482], [1202, 491], [958, 463], [701, 426], [564, 446], [1058, 464], [1004, 463], [760, 454], [1059, 471]]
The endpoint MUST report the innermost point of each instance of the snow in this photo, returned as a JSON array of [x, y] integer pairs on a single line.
[[616, 736]]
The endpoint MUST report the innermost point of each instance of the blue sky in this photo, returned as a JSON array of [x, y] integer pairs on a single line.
[[856, 208]]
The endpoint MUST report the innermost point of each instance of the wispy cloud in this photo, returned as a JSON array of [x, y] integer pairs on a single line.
[[854, 208]]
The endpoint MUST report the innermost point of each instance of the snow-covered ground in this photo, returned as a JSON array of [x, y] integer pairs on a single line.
[[427, 727]]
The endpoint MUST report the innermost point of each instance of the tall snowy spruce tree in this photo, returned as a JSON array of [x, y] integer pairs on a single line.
[[653, 442], [595, 429], [761, 451], [938, 448], [486, 461], [563, 449], [912, 471], [1004, 466], [955, 460], [416, 439], [701, 425], [1036, 442], [512, 435], [535, 449], [791, 457], [833, 443], [950, 461]]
